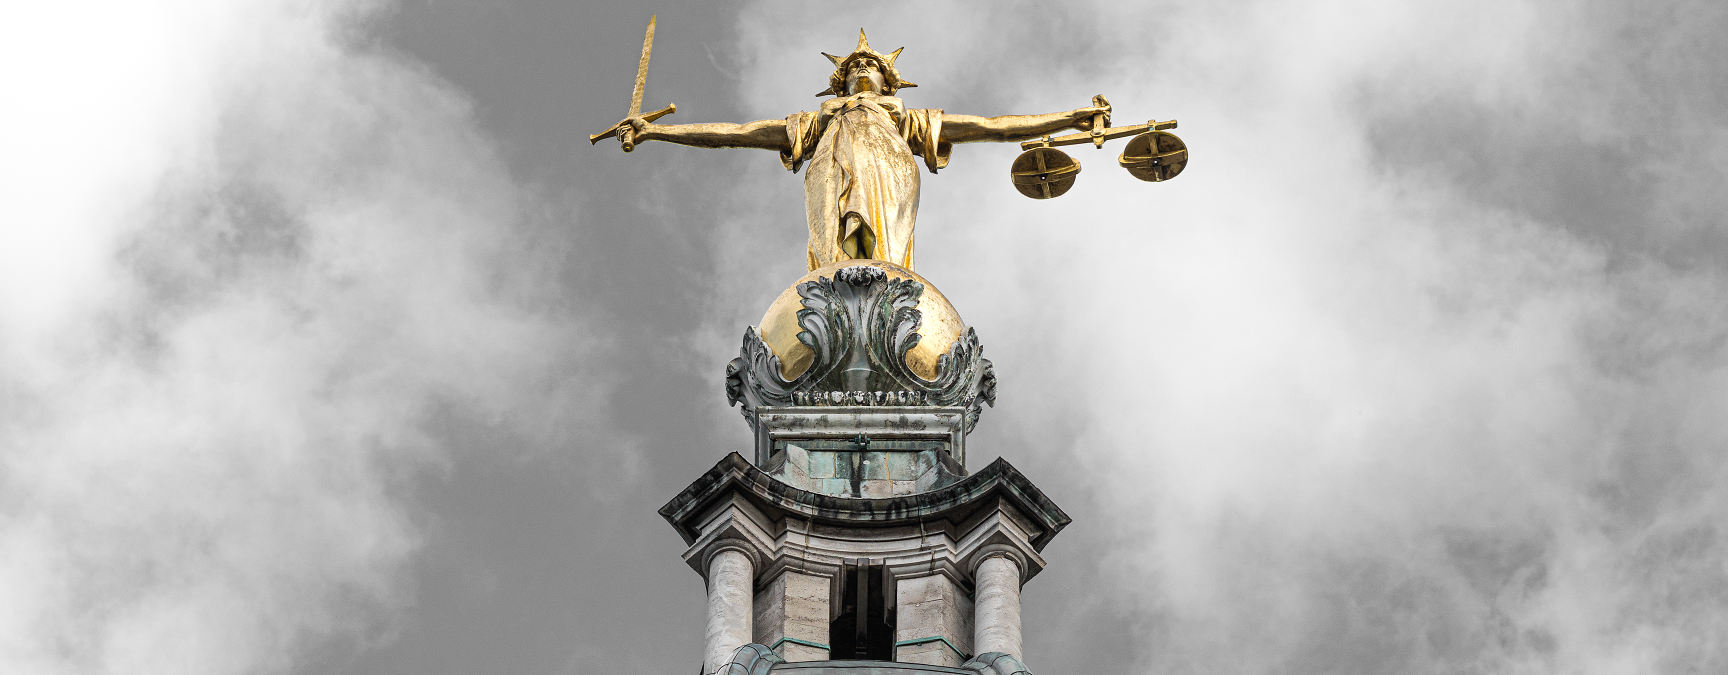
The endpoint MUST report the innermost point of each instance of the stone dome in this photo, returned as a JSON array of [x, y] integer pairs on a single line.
[[940, 325]]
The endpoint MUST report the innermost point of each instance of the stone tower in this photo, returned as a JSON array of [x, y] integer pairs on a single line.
[[852, 538]]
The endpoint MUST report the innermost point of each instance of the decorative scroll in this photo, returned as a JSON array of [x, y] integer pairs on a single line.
[[861, 324]]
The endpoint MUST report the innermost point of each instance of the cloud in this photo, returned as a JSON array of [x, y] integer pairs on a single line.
[[1417, 368], [247, 256]]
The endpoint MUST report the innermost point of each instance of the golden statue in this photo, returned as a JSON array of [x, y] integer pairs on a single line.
[[862, 343], [859, 150]]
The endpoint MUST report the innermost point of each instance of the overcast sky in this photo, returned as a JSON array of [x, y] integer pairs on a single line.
[[329, 345]]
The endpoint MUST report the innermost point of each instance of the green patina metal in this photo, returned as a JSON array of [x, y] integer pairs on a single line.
[[796, 641], [934, 638]]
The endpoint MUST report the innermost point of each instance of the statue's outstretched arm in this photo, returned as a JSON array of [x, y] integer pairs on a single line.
[[1013, 128], [765, 134]]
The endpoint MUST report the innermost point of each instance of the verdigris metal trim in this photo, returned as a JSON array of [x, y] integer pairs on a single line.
[[934, 638], [797, 641], [995, 663]]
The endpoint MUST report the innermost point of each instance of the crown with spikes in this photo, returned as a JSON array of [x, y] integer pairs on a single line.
[[890, 76]]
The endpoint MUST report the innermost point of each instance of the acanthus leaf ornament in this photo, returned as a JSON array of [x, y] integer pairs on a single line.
[[861, 324]]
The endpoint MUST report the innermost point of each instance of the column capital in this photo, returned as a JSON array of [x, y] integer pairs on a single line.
[[734, 525], [1006, 551], [714, 549]]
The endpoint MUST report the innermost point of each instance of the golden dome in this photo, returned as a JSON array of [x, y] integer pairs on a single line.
[[940, 327]]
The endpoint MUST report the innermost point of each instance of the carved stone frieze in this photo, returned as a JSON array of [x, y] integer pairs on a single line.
[[860, 398]]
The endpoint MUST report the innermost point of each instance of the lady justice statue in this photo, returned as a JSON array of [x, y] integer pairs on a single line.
[[856, 534], [861, 328], [858, 150]]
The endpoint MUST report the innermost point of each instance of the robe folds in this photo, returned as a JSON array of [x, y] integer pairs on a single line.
[[858, 152]]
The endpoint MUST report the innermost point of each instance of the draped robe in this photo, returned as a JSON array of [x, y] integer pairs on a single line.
[[859, 150]]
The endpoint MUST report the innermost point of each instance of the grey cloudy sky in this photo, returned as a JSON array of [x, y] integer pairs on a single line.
[[328, 345]]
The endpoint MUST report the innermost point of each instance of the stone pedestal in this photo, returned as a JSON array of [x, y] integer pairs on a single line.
[[915, 429], [867, 469], [932, 549]]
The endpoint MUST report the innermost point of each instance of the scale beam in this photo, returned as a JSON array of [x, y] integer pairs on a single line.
[[1112, 134]]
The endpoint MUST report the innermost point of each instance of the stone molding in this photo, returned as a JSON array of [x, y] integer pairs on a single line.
[[945, 532], [879, 423], [732, 525], [735, 478]]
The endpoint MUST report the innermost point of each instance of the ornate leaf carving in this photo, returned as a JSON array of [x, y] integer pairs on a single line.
[[861, 324]]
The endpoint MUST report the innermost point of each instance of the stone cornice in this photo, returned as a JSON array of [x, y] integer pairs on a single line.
[[955, 503]]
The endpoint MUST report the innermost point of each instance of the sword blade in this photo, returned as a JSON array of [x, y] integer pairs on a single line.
[[642, 70]]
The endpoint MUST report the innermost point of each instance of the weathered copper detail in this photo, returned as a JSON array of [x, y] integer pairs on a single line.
[[861, 324]]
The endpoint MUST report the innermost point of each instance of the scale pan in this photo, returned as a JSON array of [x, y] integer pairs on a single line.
[[1154, 156], [1042, 173]]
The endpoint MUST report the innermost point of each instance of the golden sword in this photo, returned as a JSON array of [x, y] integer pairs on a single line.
[[625, 133]]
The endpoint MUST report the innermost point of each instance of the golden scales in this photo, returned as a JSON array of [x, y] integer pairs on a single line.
[[1153, 155]]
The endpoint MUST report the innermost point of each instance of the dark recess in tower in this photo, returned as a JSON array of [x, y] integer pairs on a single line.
[[864, 627]]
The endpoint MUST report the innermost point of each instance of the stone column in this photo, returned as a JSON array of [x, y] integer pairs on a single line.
[[731, 578], [996, 627]]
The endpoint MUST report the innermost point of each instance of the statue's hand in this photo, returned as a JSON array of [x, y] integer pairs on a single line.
[[632, 130], [1085, 117]]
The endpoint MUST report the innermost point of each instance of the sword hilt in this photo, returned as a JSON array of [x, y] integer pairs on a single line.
[[625, 133]]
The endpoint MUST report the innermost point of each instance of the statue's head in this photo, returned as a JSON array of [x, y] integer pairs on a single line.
[[863, 69], [864, 75]]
